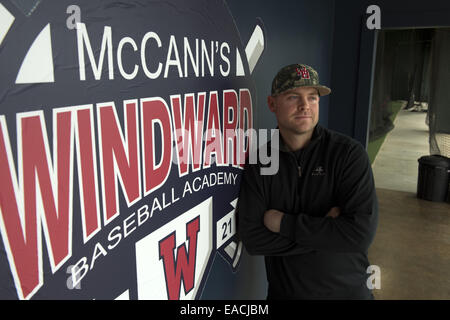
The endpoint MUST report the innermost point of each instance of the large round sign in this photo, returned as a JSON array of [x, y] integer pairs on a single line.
[[121, 146]]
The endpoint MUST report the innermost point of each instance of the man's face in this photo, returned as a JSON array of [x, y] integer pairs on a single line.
[[296, 110]]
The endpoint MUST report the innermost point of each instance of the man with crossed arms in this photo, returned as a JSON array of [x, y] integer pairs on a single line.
[[315, 219]]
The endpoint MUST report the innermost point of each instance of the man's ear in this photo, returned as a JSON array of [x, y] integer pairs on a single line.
[[271, 103]]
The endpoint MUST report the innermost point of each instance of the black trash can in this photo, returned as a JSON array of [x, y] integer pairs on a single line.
[[434, 178]]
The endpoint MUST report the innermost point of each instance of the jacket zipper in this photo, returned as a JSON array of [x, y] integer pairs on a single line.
[[300, 163], [299, 168]]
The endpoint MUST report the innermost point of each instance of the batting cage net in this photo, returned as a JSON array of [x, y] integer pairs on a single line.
[[413, 66]]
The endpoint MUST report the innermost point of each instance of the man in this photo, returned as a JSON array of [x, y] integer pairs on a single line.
[[316, 217]]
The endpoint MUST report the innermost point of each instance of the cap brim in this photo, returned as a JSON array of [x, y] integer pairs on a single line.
[[323, 90]]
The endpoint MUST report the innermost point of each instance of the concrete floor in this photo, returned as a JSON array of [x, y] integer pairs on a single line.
[[396, 166], [412, 244]]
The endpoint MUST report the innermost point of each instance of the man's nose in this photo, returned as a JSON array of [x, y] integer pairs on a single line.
[[303, 103]]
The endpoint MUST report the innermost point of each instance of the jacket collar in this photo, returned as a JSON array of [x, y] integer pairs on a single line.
[[316, 136]]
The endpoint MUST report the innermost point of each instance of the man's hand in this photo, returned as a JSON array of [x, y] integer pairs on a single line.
[[272, 220], [334, 212]]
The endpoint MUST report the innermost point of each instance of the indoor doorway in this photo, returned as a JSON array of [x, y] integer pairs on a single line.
[[409, 66], [410, 118]]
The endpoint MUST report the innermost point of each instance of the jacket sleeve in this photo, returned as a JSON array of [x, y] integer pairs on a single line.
[[354, 229], [257, 239]]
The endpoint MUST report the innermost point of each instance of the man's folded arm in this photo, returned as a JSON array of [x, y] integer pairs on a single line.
[[353, 230], [258, 240]]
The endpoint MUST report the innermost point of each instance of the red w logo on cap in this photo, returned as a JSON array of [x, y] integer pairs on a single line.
[[303, 72]]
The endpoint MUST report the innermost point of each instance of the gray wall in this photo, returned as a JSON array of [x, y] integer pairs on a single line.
[[297, 32]]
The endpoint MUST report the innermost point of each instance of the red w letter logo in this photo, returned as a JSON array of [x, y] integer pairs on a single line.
[[183, 266]]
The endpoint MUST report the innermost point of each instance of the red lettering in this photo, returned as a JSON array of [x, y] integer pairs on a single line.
[[192, 127], [87, 171], [155, 111], [183, 266], [44, 197], [230, 123], [119, 156], [245, 123], [213, 137]]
